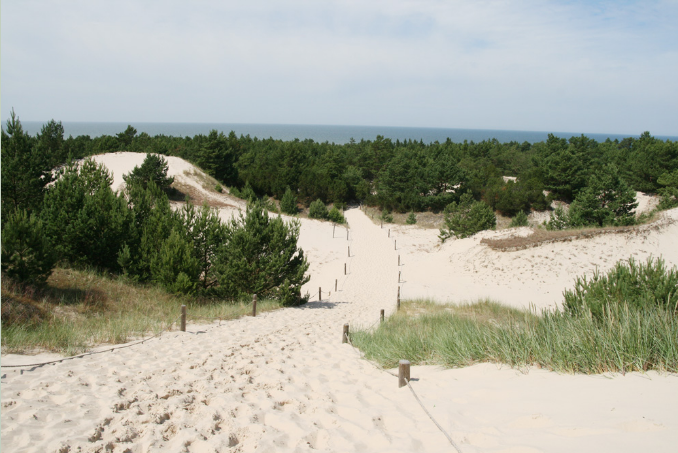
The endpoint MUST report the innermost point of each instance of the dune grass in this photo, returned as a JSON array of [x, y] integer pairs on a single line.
[[427, 333], [80, 309]]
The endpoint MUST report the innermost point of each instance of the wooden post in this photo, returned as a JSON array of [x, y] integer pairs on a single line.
[[381, 315], [403, 373], [398, 300], [183, 318], [349, 251], [344, 268], [335, 284], [254, 305], [347, 234], [395, 245], [389, 232], [398, 280], [398, 260], [320, 293], [344, 335]]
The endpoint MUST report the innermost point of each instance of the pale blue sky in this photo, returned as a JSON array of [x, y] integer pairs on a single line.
[[580, 66]]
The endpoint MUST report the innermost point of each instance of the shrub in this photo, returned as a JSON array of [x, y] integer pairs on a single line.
[[175, 267], [288, 203], [218, 188], [411, 219], [154, 168], [336, 216], [641, 286], [317, 210], [559, 219], [260, 256], [519, 220], [26, 252], [386, 216], [669, 193], [466, 218]]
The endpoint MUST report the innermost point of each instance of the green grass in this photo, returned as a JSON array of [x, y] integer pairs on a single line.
[[426, 333], [78, 310]]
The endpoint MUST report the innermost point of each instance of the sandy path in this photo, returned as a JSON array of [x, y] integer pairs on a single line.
[[278, 382]]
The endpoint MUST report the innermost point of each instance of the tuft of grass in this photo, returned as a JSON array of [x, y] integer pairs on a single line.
[[80, 309], [426, 333]]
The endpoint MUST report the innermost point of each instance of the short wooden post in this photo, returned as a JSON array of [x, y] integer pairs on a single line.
[[347, 234], [254, 305], [349, 251], [403, 373], [389, 232], [344, 335], [344, 268], [398, 260], [320, 293], [398, 300], [183, 318], [335, 284], [398, 276], [381, 315], [395, 245]]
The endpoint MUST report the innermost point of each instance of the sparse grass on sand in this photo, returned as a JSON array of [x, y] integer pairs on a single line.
[[80, 309], [450, 335]]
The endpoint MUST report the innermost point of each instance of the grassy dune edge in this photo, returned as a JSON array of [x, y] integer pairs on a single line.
[[81, 309], [427, 333]]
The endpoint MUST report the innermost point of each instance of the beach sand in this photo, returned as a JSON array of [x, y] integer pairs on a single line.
[[284, 382]]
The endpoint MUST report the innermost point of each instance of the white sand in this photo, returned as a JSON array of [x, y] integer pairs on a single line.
[[284, 382]]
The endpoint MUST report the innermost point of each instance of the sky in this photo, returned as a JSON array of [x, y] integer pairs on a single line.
[[583, 66]]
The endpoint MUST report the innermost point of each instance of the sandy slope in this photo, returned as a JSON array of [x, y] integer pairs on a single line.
[[284, 382]]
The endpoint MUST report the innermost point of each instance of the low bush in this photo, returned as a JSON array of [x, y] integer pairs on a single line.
[[466, 218], [411, 219], [317, 210], [336, 216], [637, 285], [26, 252], [519, 220]]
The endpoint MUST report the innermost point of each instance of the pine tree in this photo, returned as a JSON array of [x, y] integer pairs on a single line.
[[466, 218], [26, 252], [288, 204], [317, 210], [153, 168], [260, 256], [607, 200], [175, 267]]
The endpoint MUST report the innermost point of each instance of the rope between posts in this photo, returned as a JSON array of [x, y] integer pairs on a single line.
[[94, 352], [456, 447]]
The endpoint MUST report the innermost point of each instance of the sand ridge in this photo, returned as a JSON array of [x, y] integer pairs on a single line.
[[283, 381]]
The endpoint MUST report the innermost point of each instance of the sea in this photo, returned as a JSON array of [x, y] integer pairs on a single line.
[[319, 133]]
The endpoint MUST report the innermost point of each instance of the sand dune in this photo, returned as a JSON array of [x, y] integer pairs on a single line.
[[283, 382]]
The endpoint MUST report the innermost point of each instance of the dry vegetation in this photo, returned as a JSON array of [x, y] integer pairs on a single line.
[[80, 309]]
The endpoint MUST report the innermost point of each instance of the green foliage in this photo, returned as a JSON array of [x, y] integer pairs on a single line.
[[454, 335], [85, 220], [607, 200], [26, 170], [26, 252], [218, 188], [154, 168], [559, 219], [175, 266], [317, 210], [386, 216], [260, 256], [640, 286], [411, 219], [335, 215], [204, 230], [519, 220], [669, 191], [466, 218]]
